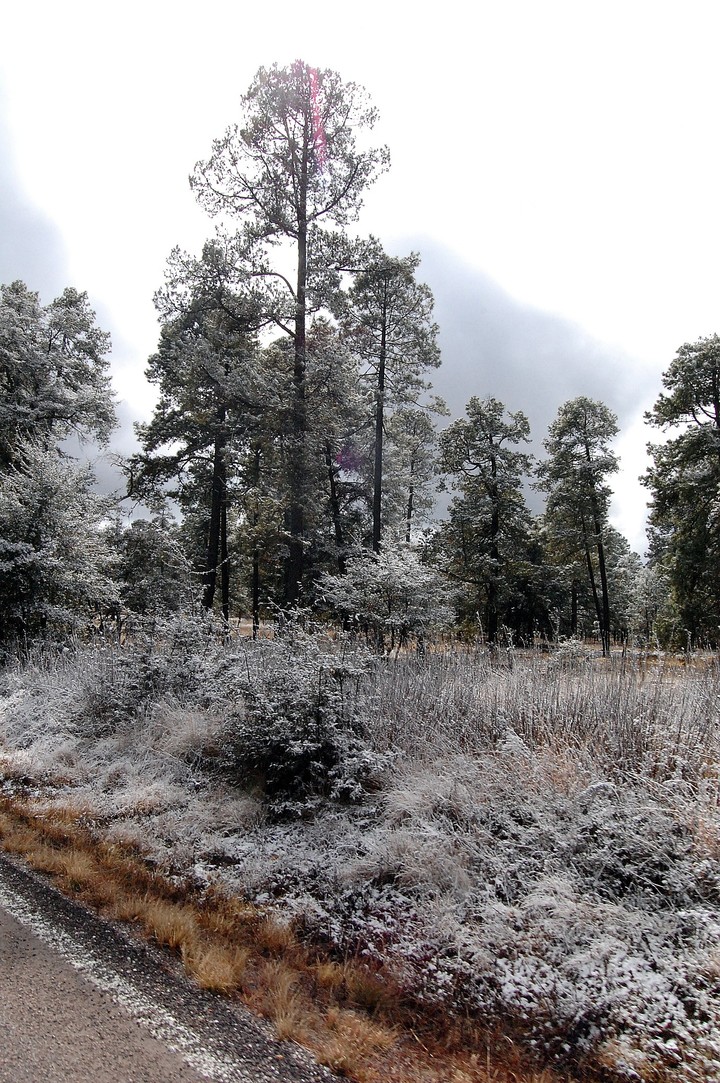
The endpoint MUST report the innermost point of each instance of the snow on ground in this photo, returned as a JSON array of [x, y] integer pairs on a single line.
[[536, 841]]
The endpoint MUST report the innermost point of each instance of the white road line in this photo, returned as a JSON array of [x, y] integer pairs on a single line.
[[156, 1019]]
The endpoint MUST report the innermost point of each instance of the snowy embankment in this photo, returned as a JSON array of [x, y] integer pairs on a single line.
[[532, 841]]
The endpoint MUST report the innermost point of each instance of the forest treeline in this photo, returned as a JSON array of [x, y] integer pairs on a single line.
[[295, 453]]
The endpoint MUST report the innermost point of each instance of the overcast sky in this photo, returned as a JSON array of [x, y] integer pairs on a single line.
[[555, 164]]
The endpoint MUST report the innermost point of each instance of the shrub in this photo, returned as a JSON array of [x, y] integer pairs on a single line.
[[297, 733]]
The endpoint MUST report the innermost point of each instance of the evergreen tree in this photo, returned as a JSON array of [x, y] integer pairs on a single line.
[[685, 484], [486, 537], [53, 383], [412, 468], [53, 371], [152, 572], [388, 323], [54, 561], [388, 594], [578, 497], [213, 393], [289, 168]]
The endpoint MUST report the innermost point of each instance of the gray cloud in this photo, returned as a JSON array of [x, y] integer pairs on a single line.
[[531, 360], [31, 247]]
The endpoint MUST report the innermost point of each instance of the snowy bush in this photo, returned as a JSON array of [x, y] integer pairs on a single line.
[[391, 593], [295, 731], [166, 658]]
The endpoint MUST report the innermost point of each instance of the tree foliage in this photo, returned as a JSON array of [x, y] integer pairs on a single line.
[[290, 168], [388, 594], [53, 383], [487, 536], [574, 476], [684, 480], [53, 371], [212, 396], [151, 570], [388, 323], [55, 567]]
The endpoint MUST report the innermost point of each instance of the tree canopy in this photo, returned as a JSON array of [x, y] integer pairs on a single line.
[[290, 168], [684, 480], [574, 476], [54, 377]]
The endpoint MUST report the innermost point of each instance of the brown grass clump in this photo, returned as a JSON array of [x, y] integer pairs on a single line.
[[170, 924], [359, 1030], [282, 1000], [367, 990], [217, 967], [273, 937], [329, 976]]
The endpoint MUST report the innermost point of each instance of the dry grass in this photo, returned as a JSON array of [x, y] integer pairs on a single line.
[[353, 1019], [282, 1000], [273, 937], [170, 924], [219, 968]]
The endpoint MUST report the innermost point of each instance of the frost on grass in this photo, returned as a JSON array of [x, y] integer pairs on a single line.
[[535, 843]]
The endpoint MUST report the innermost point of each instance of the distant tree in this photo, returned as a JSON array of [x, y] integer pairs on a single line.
[[389, 324], [336, 417], [55, 564], [53, 384], [578, 497], [290, 166], [573, 609], [53, 371], [487, 531], [412, 475], [684, 480], [655, 615], [624, 573]]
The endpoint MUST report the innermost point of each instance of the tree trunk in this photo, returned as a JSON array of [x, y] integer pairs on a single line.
[[335, 509], [216, 503], [593, 586], [493, 590], [255, 583], [224, 561], [605, 598], [573, 608], [605, 622], [379, 424], [409, 508], [296, 553]]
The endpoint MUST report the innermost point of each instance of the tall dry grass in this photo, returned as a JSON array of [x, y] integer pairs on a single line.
[[625, 716]]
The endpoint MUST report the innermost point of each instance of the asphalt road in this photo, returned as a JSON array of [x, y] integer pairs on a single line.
[[83, 1002]]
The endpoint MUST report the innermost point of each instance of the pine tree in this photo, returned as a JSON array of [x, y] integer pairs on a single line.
[[578, 497], [290, 168], [487, 532], [53, 371], [388, 325], [685, 484]]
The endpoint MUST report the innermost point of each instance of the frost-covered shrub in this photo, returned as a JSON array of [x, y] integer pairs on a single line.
[[543, 855], [296, 731], [570, 654], [388, 593], [165, 658]]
